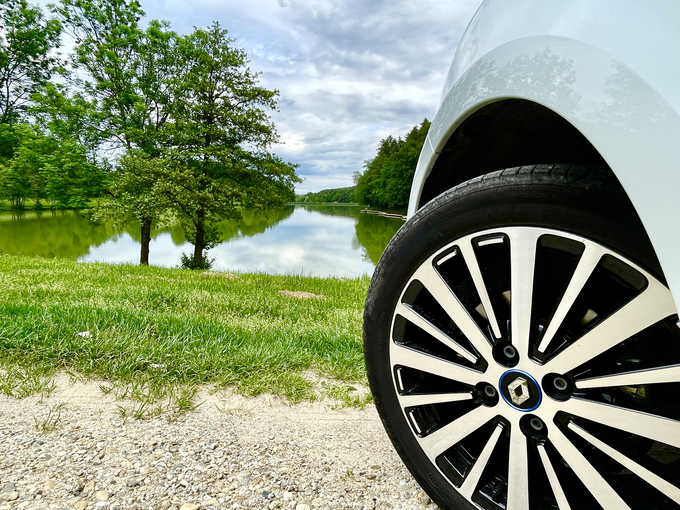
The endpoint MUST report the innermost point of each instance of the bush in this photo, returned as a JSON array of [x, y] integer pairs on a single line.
[[187, 262]]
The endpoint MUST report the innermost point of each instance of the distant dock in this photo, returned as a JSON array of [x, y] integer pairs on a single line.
[[387, 215]]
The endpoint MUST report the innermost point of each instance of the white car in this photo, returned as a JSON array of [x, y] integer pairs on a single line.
[[520, 333]]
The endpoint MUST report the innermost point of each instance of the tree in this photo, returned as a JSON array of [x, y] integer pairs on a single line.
[[218, 155], [44, 168], [27, 59], [131, 75]]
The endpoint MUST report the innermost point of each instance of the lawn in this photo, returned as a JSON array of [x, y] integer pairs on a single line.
[[156, 334]]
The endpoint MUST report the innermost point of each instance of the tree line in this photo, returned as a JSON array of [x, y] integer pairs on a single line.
[[156, 124], [386, 180], [328, 196]]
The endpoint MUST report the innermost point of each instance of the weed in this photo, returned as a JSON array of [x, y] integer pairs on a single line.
[[52, 420]]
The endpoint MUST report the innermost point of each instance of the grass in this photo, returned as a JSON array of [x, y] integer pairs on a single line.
[[154, 334]]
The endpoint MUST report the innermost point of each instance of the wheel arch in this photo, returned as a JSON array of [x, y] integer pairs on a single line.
[[506, 134], [589, 107]]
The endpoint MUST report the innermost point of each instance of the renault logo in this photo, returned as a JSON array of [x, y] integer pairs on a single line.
[[519, 391]]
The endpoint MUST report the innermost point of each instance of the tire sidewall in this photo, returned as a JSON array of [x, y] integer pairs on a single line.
[[584, 210]]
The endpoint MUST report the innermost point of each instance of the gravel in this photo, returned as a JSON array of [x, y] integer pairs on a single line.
[[231, 452]]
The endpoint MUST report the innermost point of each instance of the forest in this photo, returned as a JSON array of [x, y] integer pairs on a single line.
[[385, 183], [151, 123]]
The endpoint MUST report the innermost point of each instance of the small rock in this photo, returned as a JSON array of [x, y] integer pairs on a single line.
[[49, 485], [5, 507], [88, 486], [132, 482], [371, 476], [23, 504], [210, 502], [80, 505], [9, 487], [102, 504], [102, 495], [188, 506], [287, 495], [265, 494], [425, 500], [375, 467], [302, 507]]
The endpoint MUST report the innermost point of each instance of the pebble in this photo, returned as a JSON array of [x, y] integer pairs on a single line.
[[230, 453]]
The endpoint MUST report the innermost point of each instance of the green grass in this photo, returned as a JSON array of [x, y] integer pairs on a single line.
[[155, 334]]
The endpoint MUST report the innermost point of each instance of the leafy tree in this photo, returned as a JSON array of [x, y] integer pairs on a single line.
[[131, 74], [218, 157], [27, 59], [386, 181], [44, 168]]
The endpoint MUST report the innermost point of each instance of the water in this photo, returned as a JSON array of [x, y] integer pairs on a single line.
[[309, 240]]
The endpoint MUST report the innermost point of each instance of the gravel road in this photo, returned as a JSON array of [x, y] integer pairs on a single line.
[[232, 452]]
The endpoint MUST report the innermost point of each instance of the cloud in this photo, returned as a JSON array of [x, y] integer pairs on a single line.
[[349, 72]]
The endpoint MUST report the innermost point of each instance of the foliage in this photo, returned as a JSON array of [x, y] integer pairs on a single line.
[[43, 168], [188, 262], [386, 181], [27, 59], [186, 110], [327, 196], [123, 101], [217, 156]]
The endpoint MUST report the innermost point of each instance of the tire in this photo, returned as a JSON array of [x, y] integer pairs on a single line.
[[523, 349]]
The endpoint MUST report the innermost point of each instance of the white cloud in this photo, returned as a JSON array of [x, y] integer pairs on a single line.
[[349, 72]]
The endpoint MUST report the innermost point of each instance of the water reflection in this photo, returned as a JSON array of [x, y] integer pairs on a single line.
[[318, 240]]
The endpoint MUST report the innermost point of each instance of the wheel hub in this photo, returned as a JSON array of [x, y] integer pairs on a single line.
[[520, 390]]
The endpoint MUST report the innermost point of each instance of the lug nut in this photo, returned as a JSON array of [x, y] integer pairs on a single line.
[[536, 424], [560, 383], [490, 391], [509, 351]]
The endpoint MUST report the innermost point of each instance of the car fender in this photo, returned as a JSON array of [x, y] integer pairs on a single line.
[[635, 129]]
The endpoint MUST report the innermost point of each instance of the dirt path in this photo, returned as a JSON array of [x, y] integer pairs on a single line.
[[232, 452]]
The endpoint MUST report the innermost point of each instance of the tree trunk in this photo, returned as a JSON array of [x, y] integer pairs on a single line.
[[200, 239], [146, 239]]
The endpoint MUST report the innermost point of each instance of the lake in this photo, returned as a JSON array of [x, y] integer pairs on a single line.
[[309, 240]]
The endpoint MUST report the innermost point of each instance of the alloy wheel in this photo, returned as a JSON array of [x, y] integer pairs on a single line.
[[539, 369]]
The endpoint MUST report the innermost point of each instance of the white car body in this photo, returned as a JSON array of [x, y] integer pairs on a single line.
[[617, 85]]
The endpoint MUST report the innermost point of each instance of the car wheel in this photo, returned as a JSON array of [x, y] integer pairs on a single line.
[[523, 348]]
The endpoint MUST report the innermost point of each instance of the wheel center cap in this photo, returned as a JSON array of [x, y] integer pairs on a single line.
[[520, 390]]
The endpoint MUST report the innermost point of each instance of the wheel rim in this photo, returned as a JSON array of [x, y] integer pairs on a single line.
[[537, 369]]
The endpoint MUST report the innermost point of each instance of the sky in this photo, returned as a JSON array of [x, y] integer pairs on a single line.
[[349, 72]]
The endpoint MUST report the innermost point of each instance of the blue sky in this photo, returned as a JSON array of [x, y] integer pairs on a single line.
[[349, 72]]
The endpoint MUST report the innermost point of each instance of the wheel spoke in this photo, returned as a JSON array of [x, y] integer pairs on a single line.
[[642, 424], [419, 361], [471, 260], [652, 376], [662, 485], [558, 492], [432, 398], [652, 305], [472, 479], [415, 318], [598, 487], [518, 475], [436, 286], [441, 440], [587, 263], [522, 264]]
